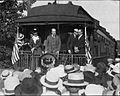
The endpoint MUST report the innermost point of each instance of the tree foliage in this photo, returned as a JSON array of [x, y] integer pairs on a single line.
[[10, 10]]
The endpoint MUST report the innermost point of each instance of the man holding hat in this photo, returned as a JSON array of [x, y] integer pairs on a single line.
[[79, 43], [71, 40], [76, 42], [35, 45]]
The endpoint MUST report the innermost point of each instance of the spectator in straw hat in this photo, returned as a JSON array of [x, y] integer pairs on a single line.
[[5, 73], [62, 74], [28, 87], [50, 82], [71, 69], [75, 84], [9, 85]]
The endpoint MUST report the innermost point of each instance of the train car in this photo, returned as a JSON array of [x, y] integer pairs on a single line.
[[66, 17], [104, 45]]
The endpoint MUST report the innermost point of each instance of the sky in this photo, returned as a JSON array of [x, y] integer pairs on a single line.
[[105, 11]]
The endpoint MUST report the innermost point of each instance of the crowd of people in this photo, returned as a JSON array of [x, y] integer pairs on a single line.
[[72, 80]]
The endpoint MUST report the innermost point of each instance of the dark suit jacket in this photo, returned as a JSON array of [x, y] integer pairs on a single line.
[[80, 43], [70, 42], [75, 42]]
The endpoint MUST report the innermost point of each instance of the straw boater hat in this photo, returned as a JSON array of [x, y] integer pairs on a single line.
[[9, 85], [71, 68], [75, 79], [60, 70], [5, 74], [50, 80]]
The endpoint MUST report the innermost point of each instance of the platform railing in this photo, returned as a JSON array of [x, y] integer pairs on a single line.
[[26, 59]]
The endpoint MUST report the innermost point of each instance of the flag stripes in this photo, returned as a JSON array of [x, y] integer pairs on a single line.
[[18, 43], [87, 49], [88, 54], [15, 55]]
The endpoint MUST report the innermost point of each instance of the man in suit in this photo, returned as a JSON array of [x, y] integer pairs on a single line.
[[71, 40], [35, 45], [53, 43], [79, 43]]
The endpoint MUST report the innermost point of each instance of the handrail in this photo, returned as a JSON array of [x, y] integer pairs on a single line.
[[26, 59]]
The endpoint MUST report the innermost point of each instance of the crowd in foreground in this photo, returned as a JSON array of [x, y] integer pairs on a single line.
[[72, 80]]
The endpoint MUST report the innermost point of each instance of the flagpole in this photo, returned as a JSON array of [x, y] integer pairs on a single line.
[[17, 35], [85, 43]]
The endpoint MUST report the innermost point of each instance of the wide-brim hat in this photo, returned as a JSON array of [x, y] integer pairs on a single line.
[[51, 79], [71, 69], [75, 79], [48, 60], [7, 93], [10, 84], [6, 73], [48, 83], [72, 84]]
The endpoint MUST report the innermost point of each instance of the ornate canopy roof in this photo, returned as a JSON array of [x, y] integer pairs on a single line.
[[56, 13]]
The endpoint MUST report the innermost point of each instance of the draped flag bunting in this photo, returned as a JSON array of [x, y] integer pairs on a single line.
[[17, 45], [87, 49]]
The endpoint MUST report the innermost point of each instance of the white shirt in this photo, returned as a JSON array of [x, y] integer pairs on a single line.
[[35, 38]]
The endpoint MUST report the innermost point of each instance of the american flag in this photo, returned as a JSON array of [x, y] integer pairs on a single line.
[[87, 49], [17, 45]]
